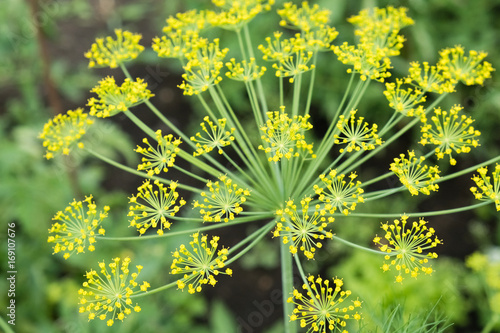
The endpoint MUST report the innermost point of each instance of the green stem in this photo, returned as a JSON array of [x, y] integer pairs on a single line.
[[287, 286], [421, 214], [139, 173], [6, 327], [260, 232], [367, 249], [238, 220], [156, 290]]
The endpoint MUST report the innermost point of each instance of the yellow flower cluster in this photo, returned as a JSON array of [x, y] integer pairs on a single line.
[[160, 158], [356, 133], [200, 265], [312, 22], [245, 70], [379, 39], [113, 99], [305, 18], [223, 201], [417, 177], [430, 78], [158, 204], [452, 132], [217, 136], [203, 67], [405, 247], [62, 133], [109, 293], [340, 194], [237, 13], [76, 227], [488, 187], [291, 55], [303, 229], [322, 306], [469, 69], [404, 100], [181, 33], [109, 52], [283, 134]]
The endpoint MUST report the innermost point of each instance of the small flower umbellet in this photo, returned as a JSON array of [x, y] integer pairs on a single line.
[[222, 201], [356, 133], [340, 194], [156, 160], [404, 100], [405, 246], [200, 264], [217, 136], [153, 205], [451, 132], [76, 227], [323, 307], [113, 99], [283, 136], [107, 295], [303, 228], [470, 69], [63, 133], [487, 187], [109, 52], [416, 176]]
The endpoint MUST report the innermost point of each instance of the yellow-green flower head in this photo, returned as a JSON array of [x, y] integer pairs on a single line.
[[297, 63], [153, 205], [238, 13], [488, 187], [322, 305], [109, 52], [365, 61], [356, 133], [160, 158], [175, 44], [217, 136], [76, 227], [200, 264], [222, 201], [452, 132], [291, 55], [430, 78], [379, 27], [339, 193], [107, 295], [283, 136], [64, 131], [278, 49], [379, 39], [416, 176], [245, 71], [404, 100], [203, 67], [305, 18], [303, 228], [192, 21], [469, 69], [320, 39], [113, 99], [405, 246]]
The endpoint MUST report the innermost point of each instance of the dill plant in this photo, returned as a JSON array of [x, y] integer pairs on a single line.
[[293, 187]]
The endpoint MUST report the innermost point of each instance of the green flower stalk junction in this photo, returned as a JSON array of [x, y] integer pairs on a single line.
[[292, 185]]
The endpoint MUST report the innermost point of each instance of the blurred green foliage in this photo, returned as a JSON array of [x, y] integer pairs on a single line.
[[32, 189]]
